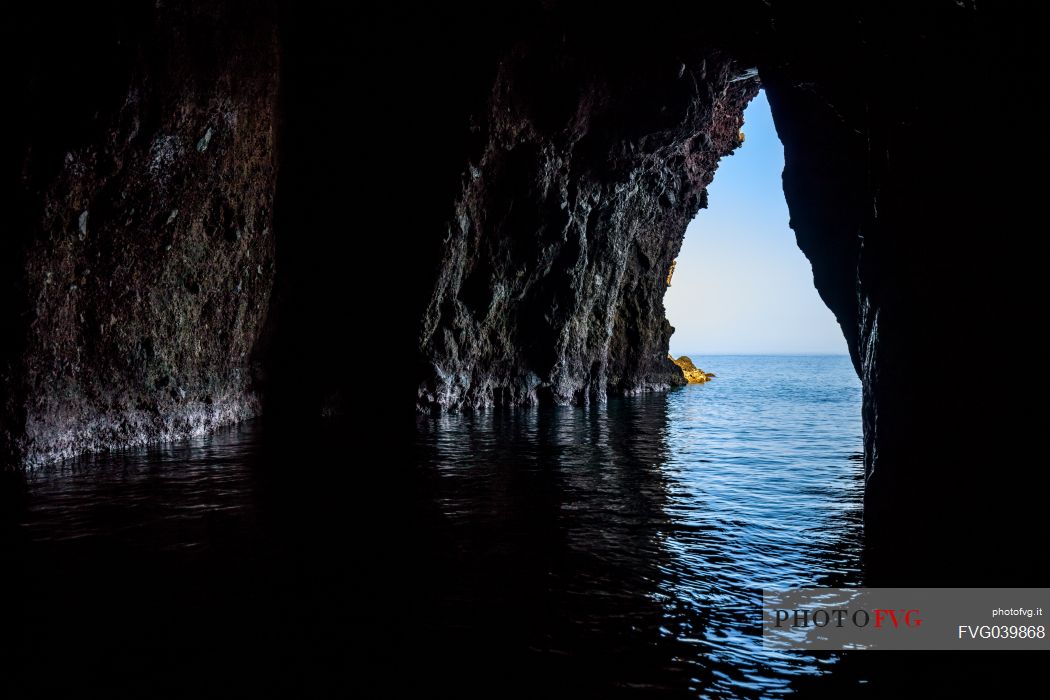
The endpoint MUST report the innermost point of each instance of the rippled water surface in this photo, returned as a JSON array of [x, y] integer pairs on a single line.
[[602, 551]]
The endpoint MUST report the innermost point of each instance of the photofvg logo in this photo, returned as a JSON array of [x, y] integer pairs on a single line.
[[843, 617], [905, 618]]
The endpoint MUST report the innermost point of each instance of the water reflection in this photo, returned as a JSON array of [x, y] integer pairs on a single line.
[[586, 552], [558, 514], [658, 525]]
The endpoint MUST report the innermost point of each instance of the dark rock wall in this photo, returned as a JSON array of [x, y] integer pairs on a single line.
[[572, 207], [141, 259], [911, 186]]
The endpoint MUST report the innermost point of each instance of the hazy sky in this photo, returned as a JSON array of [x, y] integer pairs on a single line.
[[741, 284]]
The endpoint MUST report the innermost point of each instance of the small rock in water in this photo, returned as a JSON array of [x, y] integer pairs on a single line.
[[692, 373]]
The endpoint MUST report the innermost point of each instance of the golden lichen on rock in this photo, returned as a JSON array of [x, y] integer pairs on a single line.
[[692, 373]]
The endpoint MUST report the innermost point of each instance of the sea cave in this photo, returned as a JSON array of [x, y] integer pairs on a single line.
[[367, 216]]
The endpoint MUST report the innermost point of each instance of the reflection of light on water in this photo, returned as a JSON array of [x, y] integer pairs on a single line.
[[692, 502], [764, 495], [631, 539]]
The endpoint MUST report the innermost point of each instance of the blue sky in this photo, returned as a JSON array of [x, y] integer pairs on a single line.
[[741, 284]]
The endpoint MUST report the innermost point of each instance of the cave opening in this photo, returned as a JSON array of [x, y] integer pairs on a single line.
[[740, 284], [772, 395]]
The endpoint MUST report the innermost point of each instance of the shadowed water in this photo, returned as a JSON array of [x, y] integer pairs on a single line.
[[598, 551]]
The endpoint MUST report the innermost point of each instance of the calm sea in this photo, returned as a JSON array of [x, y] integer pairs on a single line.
[[604, 551]]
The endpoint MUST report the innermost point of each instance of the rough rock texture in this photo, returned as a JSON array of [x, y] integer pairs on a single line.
[[692, 373], [570, 214], [143, 252], [496, 191]]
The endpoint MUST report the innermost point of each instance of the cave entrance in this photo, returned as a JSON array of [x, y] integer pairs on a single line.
[[740, 285], [781, 419]]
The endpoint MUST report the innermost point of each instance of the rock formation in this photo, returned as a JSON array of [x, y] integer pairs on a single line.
[[692, 373], [143, 258], [518, 176], [554, 264]]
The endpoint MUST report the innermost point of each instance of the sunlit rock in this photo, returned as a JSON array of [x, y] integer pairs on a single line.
[[692, 373]]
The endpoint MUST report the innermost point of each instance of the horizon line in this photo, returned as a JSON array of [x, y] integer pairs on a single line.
[[769, 354]]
